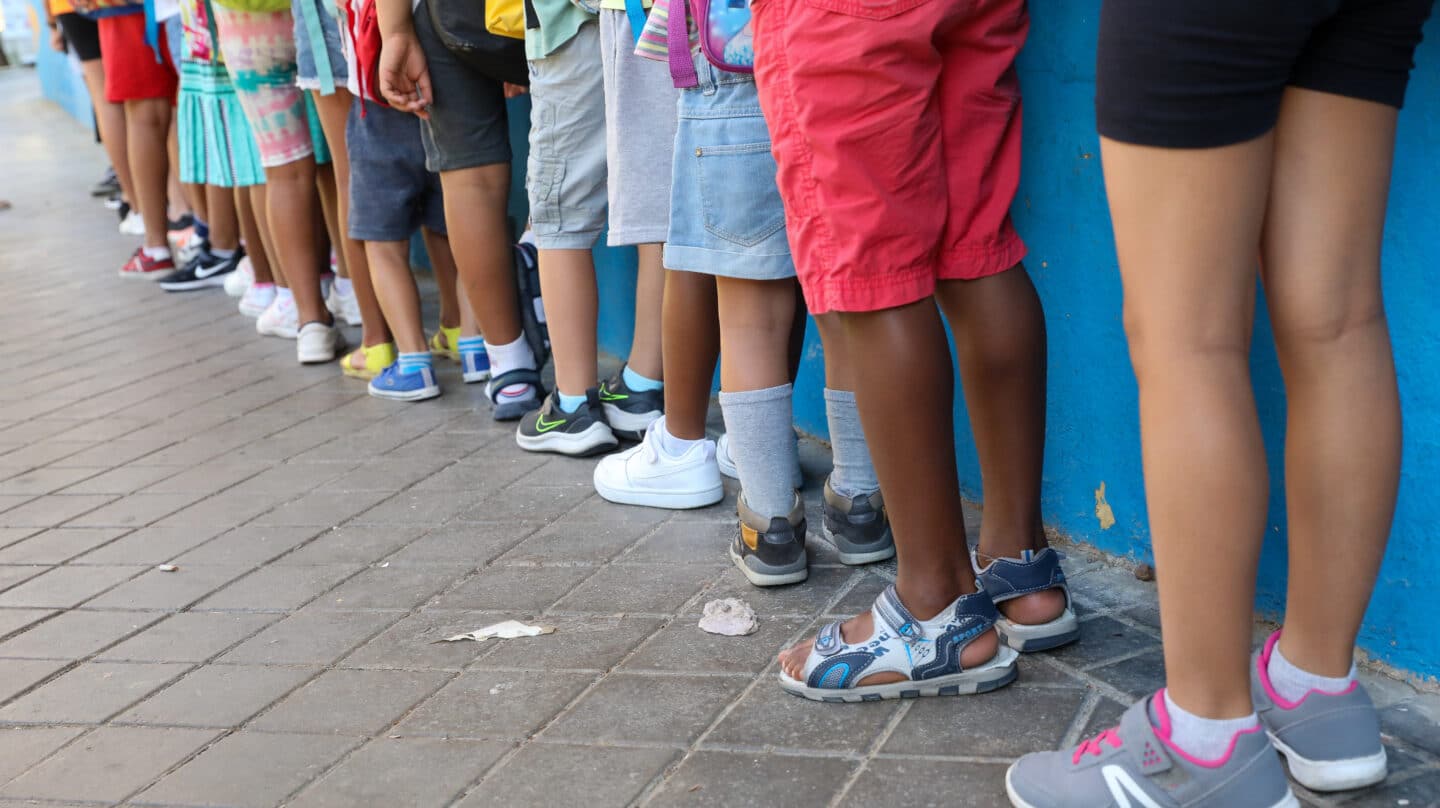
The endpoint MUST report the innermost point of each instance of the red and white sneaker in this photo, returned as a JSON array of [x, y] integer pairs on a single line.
[[141, 265]]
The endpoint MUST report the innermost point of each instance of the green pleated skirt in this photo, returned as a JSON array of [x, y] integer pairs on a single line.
[[216, 144]]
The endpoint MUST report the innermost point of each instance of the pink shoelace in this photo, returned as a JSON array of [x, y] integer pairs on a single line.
[[1096, 746]]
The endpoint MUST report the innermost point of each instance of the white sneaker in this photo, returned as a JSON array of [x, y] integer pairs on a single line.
[[727, 463], [647, 475], [132, 224], [237, 283], [280, 319], [256, 299], [317, 343], [346, 307]]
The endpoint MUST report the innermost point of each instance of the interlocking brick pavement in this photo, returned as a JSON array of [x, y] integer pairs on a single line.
[[326, 539]]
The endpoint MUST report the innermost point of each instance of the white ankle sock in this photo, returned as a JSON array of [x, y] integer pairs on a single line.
[[344, 287], [1205, 738], [1293, 683], [157, 253], [671, 445], [285, 296], [505, 358]]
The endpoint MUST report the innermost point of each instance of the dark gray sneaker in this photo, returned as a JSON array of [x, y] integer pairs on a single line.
[[1135, 765], [578, 434], [1330, 740], [858, 527], [771, 552], [630, 412]]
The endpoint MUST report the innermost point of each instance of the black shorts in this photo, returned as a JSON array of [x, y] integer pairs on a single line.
[[83, 35], [1207, 73], [468, 122]]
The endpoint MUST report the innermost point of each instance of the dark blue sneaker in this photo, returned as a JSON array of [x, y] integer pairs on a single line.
[[393, 384]]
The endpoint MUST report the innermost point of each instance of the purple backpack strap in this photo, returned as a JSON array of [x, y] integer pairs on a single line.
[[682, 65]]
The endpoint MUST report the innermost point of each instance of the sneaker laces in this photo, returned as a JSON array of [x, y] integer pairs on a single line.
[[1096, 746]]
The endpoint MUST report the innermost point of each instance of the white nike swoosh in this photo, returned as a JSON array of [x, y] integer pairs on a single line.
[[205, 272]]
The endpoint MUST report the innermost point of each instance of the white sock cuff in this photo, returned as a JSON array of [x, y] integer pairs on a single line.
[[1293, 682], [508, 357], [1205, 738]]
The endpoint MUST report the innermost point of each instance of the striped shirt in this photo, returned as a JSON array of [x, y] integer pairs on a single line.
[[655, 39]]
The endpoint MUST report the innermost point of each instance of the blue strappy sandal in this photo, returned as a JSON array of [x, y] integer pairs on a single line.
[[510, 410], [925, 652], [1009, 578]]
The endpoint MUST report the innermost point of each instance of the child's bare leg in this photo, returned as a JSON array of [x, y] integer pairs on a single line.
[[572, 306], [389, 263], [292, 216], [645, 348], [222, 217], [692, 346], [255, 229], [475, 201], [147, 123], [447, 278]]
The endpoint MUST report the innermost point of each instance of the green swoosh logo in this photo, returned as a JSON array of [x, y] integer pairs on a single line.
[[541, 425], [606, 395]]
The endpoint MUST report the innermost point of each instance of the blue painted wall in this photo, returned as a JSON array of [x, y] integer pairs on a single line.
[[60, 73], [1094, 427]]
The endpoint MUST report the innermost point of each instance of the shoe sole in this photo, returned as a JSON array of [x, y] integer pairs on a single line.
[[993, 675], [319, 358], [189, 286], [147, 276], [1289, 800], [629, 425], [270, 332], [407, 395], [1333, 775], [476, 377], [854, 559], [596, 439], [671, 500], [1063, 630], [769, 579]]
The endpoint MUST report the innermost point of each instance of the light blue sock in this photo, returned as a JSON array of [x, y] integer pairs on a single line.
[[413, 362], [569, 403], [470, 345], [639, 383]]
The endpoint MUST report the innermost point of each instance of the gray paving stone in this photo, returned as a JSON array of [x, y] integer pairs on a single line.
[[12, 620], [574, 542], [45, 480], [64, 587], [115, 452], [11, 535], [727, 779], [288, 478], [52, 510], [58, 546], [414, 643], [1103, 639], [205, 479], [156, 589], [351, 702], [522, 589], [9, 502], [387, 474], [323, 508], [1413, 791], [682, 647], [594, 775], [676, 542], [135, 510], [108, 764], [1034, 720], [415, 772], [522, 505], [809, 598], [311, 637], [44, 452], [221, 696], [187, 637], [412, 507], [11, 577], [459, 545], [494, 705], [644, 588], [76, 634], [221, 512], [1413, 724], [23, 747], [769, 717], [352, 545], [390, 586], [150, 545], [126, 479], [278, 588], [90, 693], [1139, 676], [860, 598], [579, 642], [249, 769], [913, 782], [248, 546], [670, 710], [19, 675]]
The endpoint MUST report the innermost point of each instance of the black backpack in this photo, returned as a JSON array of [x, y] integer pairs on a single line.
[[460, 24]]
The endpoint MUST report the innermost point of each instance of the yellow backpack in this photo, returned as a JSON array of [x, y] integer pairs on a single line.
[[505, 18]]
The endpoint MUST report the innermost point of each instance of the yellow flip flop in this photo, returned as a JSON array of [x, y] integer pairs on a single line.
[[444, 342], [375, 357]]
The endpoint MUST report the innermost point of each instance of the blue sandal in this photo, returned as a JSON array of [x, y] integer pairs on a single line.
[[1009, 578], [512, 409], [925, 652]]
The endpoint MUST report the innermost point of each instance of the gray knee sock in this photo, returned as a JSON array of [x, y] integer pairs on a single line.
[[761, 427], [854, 473]]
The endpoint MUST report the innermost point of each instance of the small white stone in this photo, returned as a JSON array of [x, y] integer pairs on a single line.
[[168, 568], [731, 617]]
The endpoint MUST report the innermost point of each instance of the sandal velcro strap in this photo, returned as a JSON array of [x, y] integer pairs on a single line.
[[512, 377], [828, 642], [889, 610]]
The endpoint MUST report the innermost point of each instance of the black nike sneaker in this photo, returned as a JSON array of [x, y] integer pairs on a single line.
[[581, 433], [858, 527], [771, 552], [205, 271], [630, 412]]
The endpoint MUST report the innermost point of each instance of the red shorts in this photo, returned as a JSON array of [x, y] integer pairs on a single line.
[[896, 127], [131, 70]]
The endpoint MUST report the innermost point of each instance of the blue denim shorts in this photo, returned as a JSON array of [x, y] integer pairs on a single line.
[[309, 74], [726, 217], [391, 192]]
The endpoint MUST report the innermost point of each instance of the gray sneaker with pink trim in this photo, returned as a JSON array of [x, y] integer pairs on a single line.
[[1330, 740]]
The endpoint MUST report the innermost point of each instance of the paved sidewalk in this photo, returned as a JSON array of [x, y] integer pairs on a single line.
[[325, 540]]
